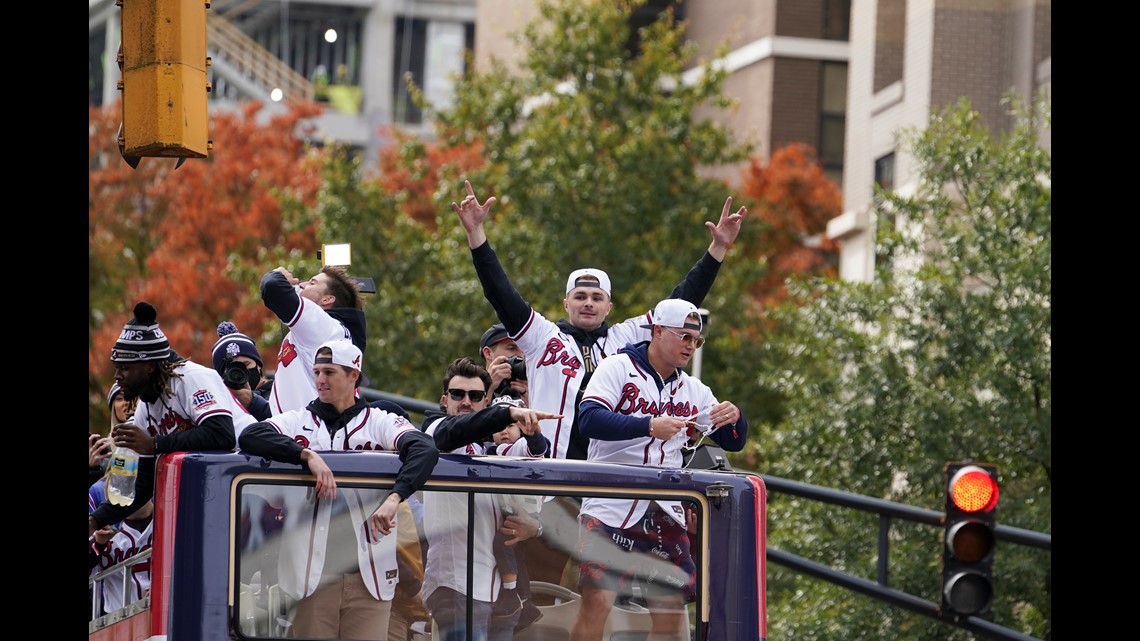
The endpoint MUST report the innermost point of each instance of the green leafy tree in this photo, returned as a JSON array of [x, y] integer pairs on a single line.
[[946, 356], [593, 162]]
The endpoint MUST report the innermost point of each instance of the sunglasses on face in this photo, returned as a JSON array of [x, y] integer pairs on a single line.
[[696, 339], [458, 394]]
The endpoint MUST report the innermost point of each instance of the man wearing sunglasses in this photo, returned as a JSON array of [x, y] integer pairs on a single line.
[[465, 421], [641, 408]]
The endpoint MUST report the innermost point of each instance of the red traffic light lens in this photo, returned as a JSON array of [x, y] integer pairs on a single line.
[[973, 489]]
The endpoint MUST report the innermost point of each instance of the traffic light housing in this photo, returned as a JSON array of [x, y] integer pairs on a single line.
[[967, 556], [162, 59]]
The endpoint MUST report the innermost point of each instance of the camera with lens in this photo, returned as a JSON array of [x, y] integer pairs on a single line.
[[518, 373], [234, 374]]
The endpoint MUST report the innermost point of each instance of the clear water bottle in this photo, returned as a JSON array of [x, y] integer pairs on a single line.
[[124, 471]]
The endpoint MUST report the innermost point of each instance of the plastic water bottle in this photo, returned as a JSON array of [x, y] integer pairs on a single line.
[[124, 471]]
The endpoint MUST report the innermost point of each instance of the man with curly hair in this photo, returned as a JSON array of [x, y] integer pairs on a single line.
[[182, 407]]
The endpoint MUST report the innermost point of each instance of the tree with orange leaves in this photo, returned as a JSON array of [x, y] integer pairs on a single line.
[[194, 241], [794, 200]]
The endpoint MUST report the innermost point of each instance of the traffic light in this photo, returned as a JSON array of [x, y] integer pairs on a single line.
[[967, 557], [162, 59]]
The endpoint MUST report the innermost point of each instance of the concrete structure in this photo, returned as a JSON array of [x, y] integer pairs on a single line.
[[794, 72], [910, 58], [788, 63]]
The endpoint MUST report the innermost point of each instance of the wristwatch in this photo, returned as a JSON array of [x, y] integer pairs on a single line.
[[539, 533]]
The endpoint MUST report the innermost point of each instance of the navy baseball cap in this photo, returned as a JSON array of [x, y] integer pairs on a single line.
[[494, 334]]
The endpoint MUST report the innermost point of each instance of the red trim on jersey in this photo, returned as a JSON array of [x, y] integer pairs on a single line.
[[632, 510], [360, 426], [300, 308], [207, 415], [526, 326], [369, 540], [598, 400]]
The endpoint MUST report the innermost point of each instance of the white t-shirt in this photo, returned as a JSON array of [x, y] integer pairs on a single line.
[[445, 526]]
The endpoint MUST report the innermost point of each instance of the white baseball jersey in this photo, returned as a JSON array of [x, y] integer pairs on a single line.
[[625, 386], [445, 526], [127, 542], [199, 393], [555, 368], [293, 384], [302, 556]]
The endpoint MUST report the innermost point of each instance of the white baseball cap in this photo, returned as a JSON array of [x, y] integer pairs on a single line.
[[674, 312], [588, 275], [343, 353]]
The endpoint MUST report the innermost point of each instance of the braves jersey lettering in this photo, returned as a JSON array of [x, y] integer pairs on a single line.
[[631, 402], [127, 543], [556, 354], [169, 424], [555, 364], [612, 386]]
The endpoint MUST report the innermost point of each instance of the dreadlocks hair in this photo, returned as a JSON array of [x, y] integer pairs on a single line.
[[341, 287], [160, 382]]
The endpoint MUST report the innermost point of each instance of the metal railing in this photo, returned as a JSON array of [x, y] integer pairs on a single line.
[[886, 510], [235, 50], [96, 584]]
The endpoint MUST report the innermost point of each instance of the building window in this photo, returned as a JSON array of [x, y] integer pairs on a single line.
[[833, 118], [646, 15], [884, 179], [837, 20], [96, 58], [885, 171], [890, 38], [411, 43], [417, 41]]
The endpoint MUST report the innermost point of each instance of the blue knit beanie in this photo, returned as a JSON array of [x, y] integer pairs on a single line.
[[232, 343]]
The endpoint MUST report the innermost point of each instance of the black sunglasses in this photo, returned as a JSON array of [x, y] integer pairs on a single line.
[[458, 394]]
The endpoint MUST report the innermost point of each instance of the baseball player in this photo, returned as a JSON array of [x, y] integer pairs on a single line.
[[338, 420], [182, 406], [112, 545], [326, 307], [561, 356], [641, 408], [464, 423]]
